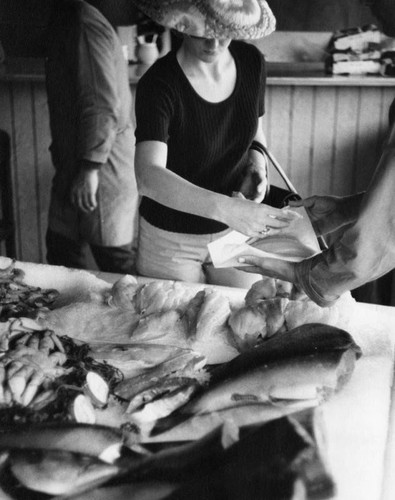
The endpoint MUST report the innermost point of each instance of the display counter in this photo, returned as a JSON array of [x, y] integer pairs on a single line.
[[358, 423]]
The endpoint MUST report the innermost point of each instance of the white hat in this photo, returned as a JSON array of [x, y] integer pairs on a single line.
[[236, 19]]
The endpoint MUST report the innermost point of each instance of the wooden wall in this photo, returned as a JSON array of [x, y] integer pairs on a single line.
[[320, 15], [24, 116], [326, 138]]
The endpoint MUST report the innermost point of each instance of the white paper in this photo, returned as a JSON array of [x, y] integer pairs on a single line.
[[297, 243]]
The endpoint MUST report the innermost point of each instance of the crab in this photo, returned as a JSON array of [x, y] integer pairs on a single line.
[[36, 359]]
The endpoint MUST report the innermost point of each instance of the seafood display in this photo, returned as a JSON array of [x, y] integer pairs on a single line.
[[28, 363], [280, 456], [170, 313], [87, 387], [18, 298], [293, 370]]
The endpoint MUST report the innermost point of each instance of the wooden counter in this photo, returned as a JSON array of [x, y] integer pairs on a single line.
[[308, 74], [326, 132]]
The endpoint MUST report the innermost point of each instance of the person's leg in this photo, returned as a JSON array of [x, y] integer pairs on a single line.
[[167, 255], [62, 251], [119, 259]]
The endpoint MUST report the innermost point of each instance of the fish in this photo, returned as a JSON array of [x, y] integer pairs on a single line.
[[155, 409], [160, 296], [162, 327], [213, 314], [297, 369], [191, 428], [122, 293], [266, 461], [133, 359], [158, 390], [186, 363], [98, 441], [59, 472], [190, 315]]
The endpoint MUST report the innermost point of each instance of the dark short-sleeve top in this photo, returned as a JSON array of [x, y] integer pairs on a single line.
[[207, 142]]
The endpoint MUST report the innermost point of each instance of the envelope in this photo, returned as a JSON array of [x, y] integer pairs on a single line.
[[298, 242]]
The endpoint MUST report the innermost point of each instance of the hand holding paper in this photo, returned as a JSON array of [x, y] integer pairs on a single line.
[[295, 243]]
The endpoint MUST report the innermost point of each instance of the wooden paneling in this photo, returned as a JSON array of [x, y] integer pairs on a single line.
[[24, 115], [327, 138], [5, 123]]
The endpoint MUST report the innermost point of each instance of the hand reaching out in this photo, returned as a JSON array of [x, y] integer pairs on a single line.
[[257, 220], [273, 268], [325, 212]]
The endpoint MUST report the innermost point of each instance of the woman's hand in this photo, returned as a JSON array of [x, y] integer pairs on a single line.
[[84, 190], [254, 185], [257, 220], [273, 268]]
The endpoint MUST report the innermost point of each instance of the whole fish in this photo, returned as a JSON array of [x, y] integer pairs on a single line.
[[57, 472], [94, 440], [289, 371]]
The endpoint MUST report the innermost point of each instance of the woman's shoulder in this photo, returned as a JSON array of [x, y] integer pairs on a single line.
[[161, 70], [246, 51]]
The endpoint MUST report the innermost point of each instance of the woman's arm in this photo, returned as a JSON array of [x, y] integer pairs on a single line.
[[155, 181]]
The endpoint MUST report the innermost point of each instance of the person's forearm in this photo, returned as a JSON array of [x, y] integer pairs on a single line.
[[306, 280], [349, 208], [171, 190], [365, 251]]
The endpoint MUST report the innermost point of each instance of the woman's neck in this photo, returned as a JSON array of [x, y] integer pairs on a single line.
[[194, 66], [214, 81]]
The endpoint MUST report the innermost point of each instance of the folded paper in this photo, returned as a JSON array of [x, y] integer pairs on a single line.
[[296, 243]]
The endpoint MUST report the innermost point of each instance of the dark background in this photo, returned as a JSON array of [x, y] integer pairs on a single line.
[[23, 22]]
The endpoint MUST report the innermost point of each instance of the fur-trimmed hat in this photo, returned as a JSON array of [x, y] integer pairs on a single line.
[[236, 19]]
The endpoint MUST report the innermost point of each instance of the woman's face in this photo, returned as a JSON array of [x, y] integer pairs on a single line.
[[384, 11], [206, 49]]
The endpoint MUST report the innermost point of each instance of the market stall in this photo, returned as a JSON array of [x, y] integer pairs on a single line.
[[355, 427]]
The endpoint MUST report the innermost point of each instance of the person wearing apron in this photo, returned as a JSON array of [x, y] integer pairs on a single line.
[[94, 196]]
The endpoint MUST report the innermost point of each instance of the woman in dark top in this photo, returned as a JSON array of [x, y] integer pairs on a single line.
[[199, 112]]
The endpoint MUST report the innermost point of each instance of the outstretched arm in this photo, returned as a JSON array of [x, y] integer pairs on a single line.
[[364, 252], [155, 181], [329, 213]]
